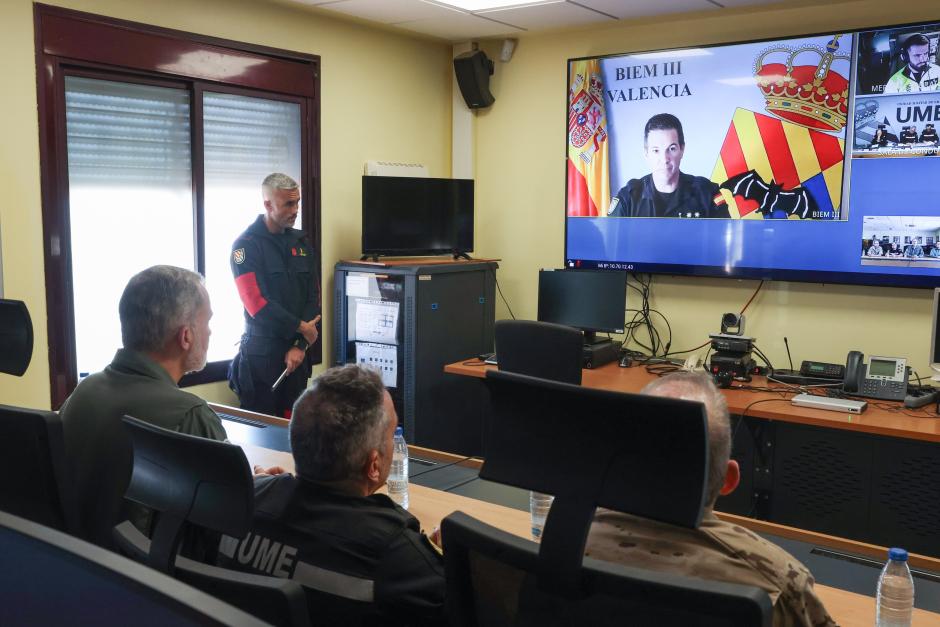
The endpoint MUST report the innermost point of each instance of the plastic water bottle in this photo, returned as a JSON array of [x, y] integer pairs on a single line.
[[539, 504], [895, 592], [398, 476]]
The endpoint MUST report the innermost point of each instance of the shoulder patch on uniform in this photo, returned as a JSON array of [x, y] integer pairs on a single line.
[[238, 256], [614, 202]]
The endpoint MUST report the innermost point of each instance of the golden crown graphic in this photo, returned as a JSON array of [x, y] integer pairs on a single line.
[[812, 96]]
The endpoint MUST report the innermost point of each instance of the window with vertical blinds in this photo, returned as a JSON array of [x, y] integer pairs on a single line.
[[130, 198], [158, 162], [244, 139]]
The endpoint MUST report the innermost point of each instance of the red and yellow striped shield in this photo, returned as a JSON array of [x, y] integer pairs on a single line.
[[789, 154]]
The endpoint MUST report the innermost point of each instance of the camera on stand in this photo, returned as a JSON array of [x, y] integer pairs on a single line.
[[731, 352]]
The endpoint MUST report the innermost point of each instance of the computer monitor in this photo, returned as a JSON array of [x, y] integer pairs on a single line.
[[589, 300], [935, 337]]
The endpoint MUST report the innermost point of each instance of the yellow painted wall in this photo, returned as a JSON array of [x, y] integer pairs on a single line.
[[384, 96], [387, 96], [520, 173]]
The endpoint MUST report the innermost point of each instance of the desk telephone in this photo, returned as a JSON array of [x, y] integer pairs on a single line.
[[882, 378]]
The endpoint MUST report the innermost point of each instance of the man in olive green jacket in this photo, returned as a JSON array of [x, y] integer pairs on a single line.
[[165, 315]]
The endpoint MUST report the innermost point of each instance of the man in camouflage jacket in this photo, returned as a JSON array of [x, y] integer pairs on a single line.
[[716, 550]]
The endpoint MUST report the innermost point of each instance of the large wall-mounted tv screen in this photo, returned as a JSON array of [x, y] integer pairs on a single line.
[[811, 159]]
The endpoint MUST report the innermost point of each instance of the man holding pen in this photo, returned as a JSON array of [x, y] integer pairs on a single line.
[[277, 280]]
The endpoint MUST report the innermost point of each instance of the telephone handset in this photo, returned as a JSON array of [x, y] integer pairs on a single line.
[[882, 378]]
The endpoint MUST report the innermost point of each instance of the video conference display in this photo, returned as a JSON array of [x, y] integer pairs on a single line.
[[814, 158]]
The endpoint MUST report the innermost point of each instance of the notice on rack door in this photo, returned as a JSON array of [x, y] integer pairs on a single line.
[[358, 284], [379, 357], [376, 320]]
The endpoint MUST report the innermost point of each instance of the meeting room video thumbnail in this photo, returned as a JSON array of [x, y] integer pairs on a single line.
[[901, 241], [897, 126], [744, 131], [898, 61]]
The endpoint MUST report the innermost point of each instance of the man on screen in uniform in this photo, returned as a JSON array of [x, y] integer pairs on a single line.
[[908, 135], [929, 136], [276, 276], [875, 249], [666, 192], [919, 74], [914, 250], [880, 140]]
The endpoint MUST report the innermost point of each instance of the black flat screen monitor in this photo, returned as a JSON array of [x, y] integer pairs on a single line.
[[589, 300], [416, 216], [810, 158]]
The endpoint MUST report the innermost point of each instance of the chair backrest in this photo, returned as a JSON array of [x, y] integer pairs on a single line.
[[56, 579], [590, 448], [540, 349], [492, 580], [16, 337], [275, 600], [197, 483], [188, 480], [31, 445], [632, 453]]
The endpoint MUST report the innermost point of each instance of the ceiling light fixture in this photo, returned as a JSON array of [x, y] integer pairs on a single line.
[[485, 5]]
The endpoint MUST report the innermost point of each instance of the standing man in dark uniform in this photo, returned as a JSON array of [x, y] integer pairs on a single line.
[[667, 192], [276, 275]]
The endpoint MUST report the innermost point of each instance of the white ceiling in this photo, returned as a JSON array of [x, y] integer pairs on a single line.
[[437, 20]]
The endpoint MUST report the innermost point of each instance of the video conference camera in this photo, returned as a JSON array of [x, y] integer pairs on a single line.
[[731, 358]]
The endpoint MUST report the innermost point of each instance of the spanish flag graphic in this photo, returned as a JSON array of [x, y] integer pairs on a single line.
[[588, 163]]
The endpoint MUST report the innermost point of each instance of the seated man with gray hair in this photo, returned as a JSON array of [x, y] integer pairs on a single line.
[[164, 314], [361, 558], [716, 550]]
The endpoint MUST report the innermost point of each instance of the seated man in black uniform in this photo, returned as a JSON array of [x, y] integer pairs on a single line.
[[908, 135], [327, 529], [929, 135], [666, 192], [880, 140]]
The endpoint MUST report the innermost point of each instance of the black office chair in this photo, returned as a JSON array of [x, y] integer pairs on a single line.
[[639, 454], [50, 578], [32, 448], [194, 484], [540, 349]]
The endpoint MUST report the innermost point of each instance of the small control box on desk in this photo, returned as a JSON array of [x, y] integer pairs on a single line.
[[407, 321]]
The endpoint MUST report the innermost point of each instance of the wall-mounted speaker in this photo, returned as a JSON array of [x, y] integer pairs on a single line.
[[473, 70]]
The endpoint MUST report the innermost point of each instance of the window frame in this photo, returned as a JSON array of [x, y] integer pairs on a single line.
[[75, 43]]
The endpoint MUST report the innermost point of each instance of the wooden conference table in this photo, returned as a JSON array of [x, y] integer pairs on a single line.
[[881, 418], [430, 506]]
